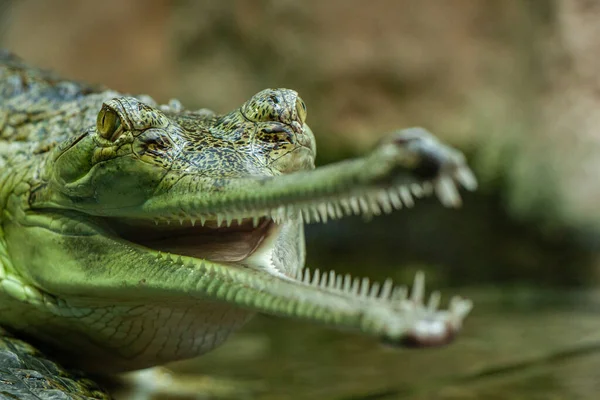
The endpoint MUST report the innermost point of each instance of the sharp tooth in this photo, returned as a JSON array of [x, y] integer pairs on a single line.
[[339, 213], [306, 278], [315, 281], [416, 190], [396, 203], [332, 279], [304, 273], [219, 220], [364, 205], [180, 221], [355, 206], [315, 215], [168, 222], [324, 277], [347, 283], [418, 289], [434, 301], [374, 290], [364, 287], [202, 220], [465, 177], [406, 196], [355, 286], [331, 211], [323, 212], [193, 221], [345, 203], [386, 290], [255, 220], [375, 209], [446, 192], [306, 216], [228, 221], [155, 222], [384, 200], [339, 282]]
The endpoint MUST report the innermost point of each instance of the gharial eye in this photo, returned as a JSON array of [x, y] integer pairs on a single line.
[[301, 109], [108, 124]]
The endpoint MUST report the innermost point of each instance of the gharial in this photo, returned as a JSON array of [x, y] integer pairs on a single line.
[[133, 234]]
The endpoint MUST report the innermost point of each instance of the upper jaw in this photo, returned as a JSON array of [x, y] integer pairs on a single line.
[[409, 164]]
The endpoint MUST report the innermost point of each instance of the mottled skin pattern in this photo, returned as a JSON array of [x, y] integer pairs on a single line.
[[132, 233]]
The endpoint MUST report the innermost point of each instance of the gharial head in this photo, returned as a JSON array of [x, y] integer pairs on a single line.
[[125, 181], [267, 136], [136, 151]]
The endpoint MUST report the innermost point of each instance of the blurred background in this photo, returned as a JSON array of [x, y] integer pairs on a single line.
[[514, 84]]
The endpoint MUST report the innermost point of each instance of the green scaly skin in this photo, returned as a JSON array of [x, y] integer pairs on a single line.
[[133, 234]]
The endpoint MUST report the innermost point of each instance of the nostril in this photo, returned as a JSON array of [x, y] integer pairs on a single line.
[[404, 140], [429, 166]]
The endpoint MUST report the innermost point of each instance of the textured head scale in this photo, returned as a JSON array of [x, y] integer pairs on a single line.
[[283, 105]]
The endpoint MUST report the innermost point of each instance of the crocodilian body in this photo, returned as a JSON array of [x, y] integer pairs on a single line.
[[132, 234]]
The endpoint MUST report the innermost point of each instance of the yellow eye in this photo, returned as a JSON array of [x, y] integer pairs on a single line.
[[108, 124], [301, 109]]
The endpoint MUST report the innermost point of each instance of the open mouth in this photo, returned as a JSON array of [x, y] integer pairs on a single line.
[[210, 241], [227, 239]]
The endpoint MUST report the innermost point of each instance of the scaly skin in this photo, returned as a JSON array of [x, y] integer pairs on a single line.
[[27, 374], [132, 234]]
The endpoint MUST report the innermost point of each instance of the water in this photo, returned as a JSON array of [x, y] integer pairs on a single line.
[[517, 344]]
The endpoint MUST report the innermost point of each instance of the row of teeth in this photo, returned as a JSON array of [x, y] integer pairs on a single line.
[[376, 202], [363, 288], [458, 307], [385, 201]]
